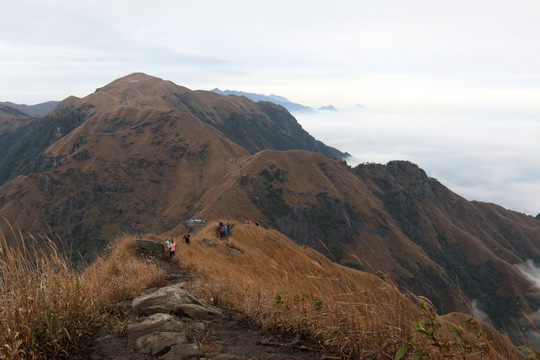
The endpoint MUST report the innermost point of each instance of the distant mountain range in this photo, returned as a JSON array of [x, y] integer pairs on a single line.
[[33, 110], [279, 100], [38, 110], [144, 155]]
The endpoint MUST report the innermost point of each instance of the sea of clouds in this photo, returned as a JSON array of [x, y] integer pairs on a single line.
[[491, 156]]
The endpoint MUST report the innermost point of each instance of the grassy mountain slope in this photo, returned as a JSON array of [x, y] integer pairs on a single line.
[[145, 155], [350, 313], [477, 244], [25, 153], [13, 125], [389, 218], [136, 148], [253, 126], [278, 285]]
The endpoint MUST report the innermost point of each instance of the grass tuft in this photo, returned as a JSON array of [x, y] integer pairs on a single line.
[[46, 306]]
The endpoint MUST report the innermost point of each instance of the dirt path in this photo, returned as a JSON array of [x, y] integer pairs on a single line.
[[228, 336]]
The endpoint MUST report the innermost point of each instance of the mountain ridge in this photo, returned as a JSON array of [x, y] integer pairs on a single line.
[[144, 155], [276, 99], [36, 110]]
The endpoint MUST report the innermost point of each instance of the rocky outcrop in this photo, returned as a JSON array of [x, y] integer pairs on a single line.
[[149, 246], [173, 300], [168, 323]]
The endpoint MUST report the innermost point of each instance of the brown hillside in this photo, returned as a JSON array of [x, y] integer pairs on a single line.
[[392, 219], [138, 178], [10, 120], [281, 285], [141, 158], [146, 155], [354, 217]]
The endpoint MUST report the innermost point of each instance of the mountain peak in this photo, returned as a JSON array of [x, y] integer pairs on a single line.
[[137, 90], [328, 108]]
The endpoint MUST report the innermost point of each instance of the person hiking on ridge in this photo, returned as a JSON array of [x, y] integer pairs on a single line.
[[186, 238], [172, 248], [223, 231]]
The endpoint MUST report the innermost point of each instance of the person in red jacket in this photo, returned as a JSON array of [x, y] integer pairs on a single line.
[[186, 238]]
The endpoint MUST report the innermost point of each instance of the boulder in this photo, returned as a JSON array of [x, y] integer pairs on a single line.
[[159, 343], [183, 351], [150, 245], [154, 323], [173, 300]]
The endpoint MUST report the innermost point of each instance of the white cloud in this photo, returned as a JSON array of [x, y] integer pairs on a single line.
[[386, 52], [532, 272], [451, 58], [477, 312], [481, 157]]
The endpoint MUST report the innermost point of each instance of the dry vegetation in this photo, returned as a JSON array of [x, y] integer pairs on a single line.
[[46, 306], [352, 314]]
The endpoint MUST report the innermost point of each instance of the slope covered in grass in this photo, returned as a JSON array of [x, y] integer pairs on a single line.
[[46, 306], [288, 288]]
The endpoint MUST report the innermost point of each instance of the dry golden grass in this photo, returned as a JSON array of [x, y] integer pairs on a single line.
[[286, 288], [121, 275], [45, 306]]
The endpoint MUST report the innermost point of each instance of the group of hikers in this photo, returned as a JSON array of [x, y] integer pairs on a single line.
[[171, 245], [251, 222], [223, 230]]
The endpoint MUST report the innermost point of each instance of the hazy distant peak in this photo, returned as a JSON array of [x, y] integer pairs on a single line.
[[328, 108], [276, 99]]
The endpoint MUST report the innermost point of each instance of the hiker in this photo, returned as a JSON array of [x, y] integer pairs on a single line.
[[186, 238], [172, 248], [223, 231], [257, 223], [220, 224]]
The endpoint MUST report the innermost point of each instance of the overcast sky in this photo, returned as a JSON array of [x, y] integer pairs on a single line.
[[450, 62]]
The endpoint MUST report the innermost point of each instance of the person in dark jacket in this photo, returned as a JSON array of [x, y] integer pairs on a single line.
[[186, 238]]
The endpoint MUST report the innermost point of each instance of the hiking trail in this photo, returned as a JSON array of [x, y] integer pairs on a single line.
[[168, 323]]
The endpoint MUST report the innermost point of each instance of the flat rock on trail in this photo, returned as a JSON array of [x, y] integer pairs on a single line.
[[168, 323]]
